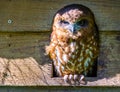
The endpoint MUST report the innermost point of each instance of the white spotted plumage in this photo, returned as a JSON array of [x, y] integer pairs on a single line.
[[74, 43]]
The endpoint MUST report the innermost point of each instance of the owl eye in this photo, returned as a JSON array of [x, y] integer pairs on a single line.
[[82, 23], [64, 22]]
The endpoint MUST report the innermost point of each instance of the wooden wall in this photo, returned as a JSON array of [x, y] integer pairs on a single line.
[[36, 15], [24, 32]]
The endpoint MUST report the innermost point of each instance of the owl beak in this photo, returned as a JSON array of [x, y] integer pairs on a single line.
[[72, 28]]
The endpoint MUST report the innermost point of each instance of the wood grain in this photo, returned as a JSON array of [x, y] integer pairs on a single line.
[[58, 89], [22, 60], [36, 15]]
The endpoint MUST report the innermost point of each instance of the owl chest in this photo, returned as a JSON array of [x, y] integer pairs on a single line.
[[66, 52], [75, 51], [75, 48]]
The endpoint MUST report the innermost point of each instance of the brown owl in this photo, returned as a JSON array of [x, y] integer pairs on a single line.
[[74, 43]]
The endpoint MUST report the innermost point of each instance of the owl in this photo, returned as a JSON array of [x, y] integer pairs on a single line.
[[74, 43]]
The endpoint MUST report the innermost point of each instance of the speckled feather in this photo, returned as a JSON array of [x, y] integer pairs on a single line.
[[73, 53]]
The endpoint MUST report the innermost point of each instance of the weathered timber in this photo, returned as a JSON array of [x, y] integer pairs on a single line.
[[22, 60], [36, 15], [58, 89]]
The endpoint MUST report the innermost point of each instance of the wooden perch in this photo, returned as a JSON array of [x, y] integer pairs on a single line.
[[28, 72]]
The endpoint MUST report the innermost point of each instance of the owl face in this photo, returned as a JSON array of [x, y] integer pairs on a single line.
[[73, 21]]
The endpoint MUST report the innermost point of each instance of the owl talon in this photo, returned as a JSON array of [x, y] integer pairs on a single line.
[[76, 77], [81, 78], [66, 80], [73, 79], [70, 77]]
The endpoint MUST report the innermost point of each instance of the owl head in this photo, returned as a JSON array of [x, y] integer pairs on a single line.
[[74, 20]]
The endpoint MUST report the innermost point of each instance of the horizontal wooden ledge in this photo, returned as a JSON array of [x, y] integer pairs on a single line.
[[27, 72], [60, 88]]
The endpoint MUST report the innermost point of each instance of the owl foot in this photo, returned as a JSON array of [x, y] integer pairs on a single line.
[[74, 79]]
